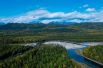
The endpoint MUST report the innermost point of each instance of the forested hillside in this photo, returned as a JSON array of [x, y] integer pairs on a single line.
[[24, 26], [94, 53], [8, 51], [45, 56]]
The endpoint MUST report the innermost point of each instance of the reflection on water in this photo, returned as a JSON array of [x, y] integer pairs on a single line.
[[67, 45], [30, 44], [92, 43]]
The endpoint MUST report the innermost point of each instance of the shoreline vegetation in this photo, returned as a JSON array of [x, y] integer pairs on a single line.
[[80, 65], [90, 54], [94, 53]]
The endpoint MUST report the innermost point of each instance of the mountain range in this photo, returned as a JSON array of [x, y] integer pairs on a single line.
[[38, 22], [35, 25]]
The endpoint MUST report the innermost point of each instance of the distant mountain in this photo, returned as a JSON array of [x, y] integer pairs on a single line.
[[1, 23], [35, 22], [38, 22], [29, 26], [20, 26], [63, 23], [53, 22]]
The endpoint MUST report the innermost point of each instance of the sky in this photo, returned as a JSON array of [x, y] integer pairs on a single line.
[[24, 11]]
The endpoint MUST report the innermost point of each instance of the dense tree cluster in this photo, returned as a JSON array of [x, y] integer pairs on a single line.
[[94, 53], [7, 51], [45, 56]]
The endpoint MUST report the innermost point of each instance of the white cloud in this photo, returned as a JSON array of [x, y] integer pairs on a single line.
[[90, 9], [46, 16]]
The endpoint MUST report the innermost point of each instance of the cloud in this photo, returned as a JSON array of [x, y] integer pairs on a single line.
[[45, 16], [90, 9]]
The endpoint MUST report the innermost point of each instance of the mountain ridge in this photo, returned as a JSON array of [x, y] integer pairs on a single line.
[[19, 26]]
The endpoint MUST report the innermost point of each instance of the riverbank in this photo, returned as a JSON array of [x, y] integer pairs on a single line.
[[80, 65], [94, 54], [88, 59]]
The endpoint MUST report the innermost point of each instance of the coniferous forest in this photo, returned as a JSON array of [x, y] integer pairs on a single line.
[[44, 56], [94, 53]]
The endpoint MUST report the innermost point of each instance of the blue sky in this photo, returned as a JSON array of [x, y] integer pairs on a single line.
[[14, 8]]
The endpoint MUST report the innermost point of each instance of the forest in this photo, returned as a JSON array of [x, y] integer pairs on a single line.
[[44, 56], [94, 53]]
